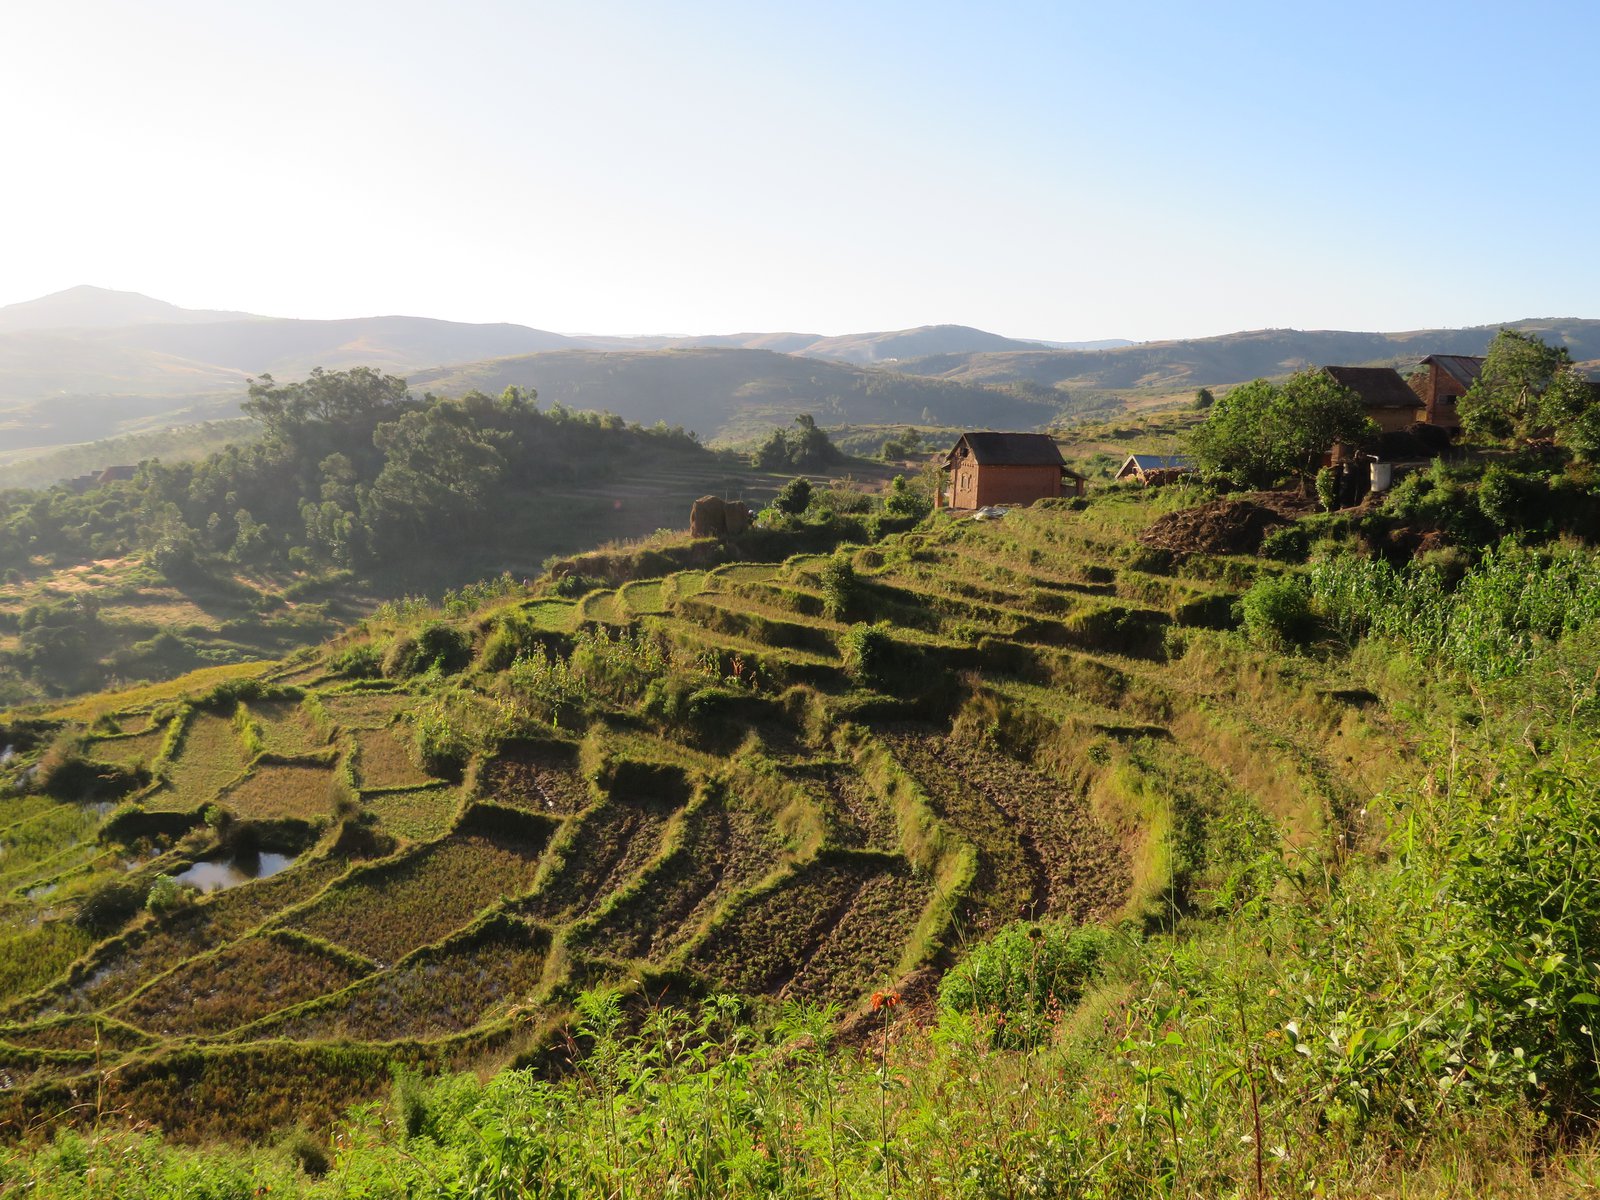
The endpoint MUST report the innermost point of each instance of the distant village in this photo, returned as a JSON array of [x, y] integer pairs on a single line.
[[1416, 419]]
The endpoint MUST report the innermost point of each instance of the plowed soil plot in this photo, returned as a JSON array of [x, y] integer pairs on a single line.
[[613, 844], [427, 997], [396, 907], [723, 849], [772, 939], [864, 947], [1221, 527], [1040, 850], [859, 819], [537, 778], [241, 983]]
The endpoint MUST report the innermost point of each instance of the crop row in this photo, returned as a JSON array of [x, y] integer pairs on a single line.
[[391, 908], [238, 984], [538, 776], [717, 849], [432, 994], [598, 853], [765, 940]]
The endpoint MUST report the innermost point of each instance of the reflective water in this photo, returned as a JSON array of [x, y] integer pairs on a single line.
[[230, 872]]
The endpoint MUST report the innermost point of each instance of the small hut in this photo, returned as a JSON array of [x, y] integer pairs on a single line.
[[1151, 469], [1008, 468]]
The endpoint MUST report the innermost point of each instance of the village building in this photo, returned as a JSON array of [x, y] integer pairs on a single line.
[[1008, 468], [1446, 379], [1155, 468], [1389, 401]]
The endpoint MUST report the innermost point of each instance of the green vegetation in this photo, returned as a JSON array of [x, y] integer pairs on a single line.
[[977, 859], [1260, 433]]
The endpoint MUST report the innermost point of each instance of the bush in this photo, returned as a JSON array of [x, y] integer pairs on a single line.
[[866, 650], [794, 497], [109, 907], [1291, 544], [361, 661], [906, 500], [167, 895], [1277, 612], [1025, 978], [436, 644], [840, 588]]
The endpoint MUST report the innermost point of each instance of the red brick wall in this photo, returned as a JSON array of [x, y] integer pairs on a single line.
[[1438, 393], [1015, 485]]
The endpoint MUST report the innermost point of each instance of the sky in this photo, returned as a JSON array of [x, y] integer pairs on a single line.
[[1072, 170]]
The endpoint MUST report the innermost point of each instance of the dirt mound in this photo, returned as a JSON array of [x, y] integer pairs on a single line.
[[1221, 527]]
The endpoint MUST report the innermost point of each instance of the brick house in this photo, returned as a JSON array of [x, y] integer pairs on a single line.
[[1008, 468], [1447, 378], [1389, 401]]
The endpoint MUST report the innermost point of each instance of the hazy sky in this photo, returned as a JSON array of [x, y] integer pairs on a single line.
[[1060, 170]]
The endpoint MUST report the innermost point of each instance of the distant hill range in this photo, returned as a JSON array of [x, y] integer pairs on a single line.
[[1237, 357], [89, 363]]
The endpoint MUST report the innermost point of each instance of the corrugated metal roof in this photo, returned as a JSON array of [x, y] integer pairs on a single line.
[[1463, 368], [990, 449], [1378, 387], [1161, 462]]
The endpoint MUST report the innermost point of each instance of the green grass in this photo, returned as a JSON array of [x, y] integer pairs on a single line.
[[273, 791], [420, 814], [384, 761]]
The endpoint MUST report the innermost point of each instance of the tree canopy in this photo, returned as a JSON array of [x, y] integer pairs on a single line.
[[1261, 433], [1529, 390]]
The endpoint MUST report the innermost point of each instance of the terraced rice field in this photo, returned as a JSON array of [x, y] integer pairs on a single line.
[[383, 760], [238, 984], [537, 776], [431, 995], [420, 814], [270, 792], [209, 758], [392, 908], [803, 827]]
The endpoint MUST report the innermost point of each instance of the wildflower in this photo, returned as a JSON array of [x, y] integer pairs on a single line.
[[884, 1000]]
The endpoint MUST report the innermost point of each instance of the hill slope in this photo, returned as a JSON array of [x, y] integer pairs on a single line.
[[1237, 357], [696, 780], [730, 393], [86, 307]]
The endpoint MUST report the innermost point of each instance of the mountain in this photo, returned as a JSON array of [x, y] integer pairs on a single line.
[[1237, 357], [861, 348], [730, 393], [86, 307]]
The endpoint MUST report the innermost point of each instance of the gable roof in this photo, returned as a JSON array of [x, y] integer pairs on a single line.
[[1159, 462], [990, 449], [1378, 387], [1463, 368]]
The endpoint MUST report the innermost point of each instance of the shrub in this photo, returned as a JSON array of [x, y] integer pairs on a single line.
[[866, 650], [1277, 612], [361, 661], [840, 588], [794, 497], [109, 907], [905, 500], [1291, 543], [1327, 489], [436, 644], [1025, 977], [167, 895]]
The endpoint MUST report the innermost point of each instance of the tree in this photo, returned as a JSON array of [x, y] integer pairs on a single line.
[[1261, 433], [805, 447], [355, 398], [1530, 390]]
